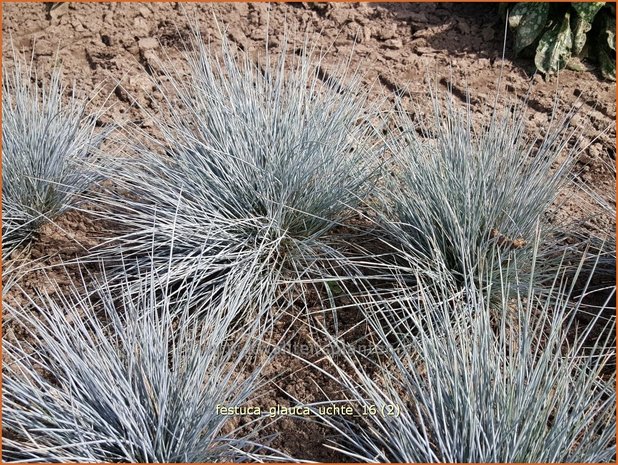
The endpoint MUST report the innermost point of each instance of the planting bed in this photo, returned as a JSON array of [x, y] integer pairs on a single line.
[[113, 52]]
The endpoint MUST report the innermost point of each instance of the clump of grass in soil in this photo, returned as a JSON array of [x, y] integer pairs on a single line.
[[465, 191], [524, 384], [109, 376], [262, 161], [49, 146]]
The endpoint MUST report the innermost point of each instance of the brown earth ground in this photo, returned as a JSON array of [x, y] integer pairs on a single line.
[[116, 48]]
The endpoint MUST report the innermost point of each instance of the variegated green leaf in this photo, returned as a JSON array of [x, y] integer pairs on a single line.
[[583, 23], [518, 12], [555, 47], [587, 10], [531, 25], [576, 64], [580, 32], [608, 65], [610, 30]]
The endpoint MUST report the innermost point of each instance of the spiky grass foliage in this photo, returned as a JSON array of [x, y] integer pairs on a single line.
[[12, 271], [459, 189], [48, 148], [529, 383], [130, 377], [599, 275], [263, 159]]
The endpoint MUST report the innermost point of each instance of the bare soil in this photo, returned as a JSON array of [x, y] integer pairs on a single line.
[[115, 49]]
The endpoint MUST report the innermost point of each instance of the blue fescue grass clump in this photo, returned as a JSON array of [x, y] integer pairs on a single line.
[[48, 150], [463, 188], [481, 344], [127, 375], [262, 161], [457, 381]]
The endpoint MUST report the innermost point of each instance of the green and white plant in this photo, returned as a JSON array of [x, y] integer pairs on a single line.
[[559, 34]]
